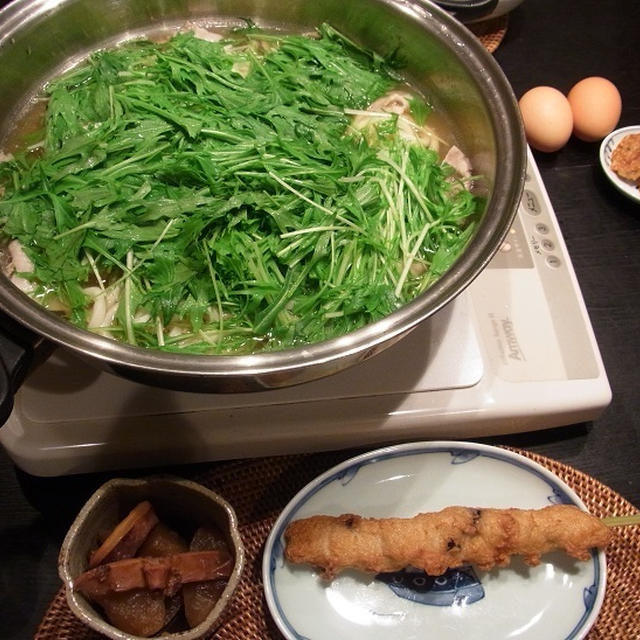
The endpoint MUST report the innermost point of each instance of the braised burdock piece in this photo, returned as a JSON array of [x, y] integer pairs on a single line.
[[166, 574], [125, 540]]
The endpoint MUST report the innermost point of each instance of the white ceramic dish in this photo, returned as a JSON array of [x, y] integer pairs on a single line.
[[606, 149], [557, 600]]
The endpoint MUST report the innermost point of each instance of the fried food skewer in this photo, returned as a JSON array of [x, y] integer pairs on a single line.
[[443, 540]]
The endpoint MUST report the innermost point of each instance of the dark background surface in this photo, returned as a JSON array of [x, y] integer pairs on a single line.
[[547, 42]]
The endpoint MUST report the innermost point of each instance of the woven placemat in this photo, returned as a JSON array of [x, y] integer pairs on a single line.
[[260, 489], [490, 32]]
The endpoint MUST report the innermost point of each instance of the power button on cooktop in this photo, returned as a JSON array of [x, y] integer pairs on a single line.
[[553, 262]]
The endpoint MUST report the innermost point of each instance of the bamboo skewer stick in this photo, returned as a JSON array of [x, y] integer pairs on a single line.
[[622, 521]]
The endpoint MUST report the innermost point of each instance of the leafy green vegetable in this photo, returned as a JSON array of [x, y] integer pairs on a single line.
[[215, 187], [420, 110]]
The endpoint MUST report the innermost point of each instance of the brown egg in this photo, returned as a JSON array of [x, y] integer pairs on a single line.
[[547, 118], [596, 106]]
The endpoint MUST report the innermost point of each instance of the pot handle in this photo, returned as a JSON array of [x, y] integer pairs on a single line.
[[19, 349], [465, 10]]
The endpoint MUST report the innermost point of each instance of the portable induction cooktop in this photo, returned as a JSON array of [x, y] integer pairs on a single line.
[[515, 352]]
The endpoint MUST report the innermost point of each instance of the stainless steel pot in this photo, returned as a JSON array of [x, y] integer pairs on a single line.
[[39, 37]]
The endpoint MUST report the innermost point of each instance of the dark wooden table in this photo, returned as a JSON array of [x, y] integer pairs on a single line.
[[547, 42]]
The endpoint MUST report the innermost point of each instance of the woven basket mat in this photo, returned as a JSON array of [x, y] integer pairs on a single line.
[[260, 489], [490, 32]]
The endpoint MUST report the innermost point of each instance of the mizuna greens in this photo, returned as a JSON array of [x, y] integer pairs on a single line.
[[217, 193]]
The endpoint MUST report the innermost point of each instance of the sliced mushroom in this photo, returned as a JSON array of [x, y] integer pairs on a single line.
[[105, 306]]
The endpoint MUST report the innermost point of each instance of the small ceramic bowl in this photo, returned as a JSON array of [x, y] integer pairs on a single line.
[[606, 149], [174, 500]]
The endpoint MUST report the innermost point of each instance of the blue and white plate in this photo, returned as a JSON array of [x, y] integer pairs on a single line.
[[557, 600], [607, 147]]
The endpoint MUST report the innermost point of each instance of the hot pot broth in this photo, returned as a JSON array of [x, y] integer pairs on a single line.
[[253, 192]]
